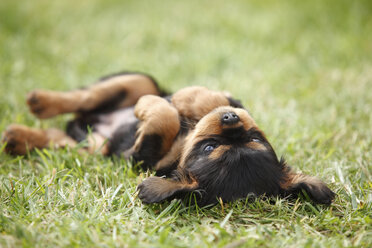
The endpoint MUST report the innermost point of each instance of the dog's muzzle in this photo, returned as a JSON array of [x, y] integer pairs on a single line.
[[229, 118]]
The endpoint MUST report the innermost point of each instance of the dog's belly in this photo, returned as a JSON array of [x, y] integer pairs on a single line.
[[110, 122]]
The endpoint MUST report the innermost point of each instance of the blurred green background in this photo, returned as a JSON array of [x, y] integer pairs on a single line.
[[302, 68]]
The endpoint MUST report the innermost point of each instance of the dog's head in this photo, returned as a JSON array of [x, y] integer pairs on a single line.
[[230, 157]]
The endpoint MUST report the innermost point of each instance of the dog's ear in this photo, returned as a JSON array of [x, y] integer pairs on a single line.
[[312, 186], [158, 189]]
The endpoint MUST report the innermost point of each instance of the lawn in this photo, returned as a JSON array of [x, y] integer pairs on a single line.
[[302, 68]]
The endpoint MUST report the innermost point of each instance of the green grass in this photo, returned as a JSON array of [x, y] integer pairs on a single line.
[[303, 68]]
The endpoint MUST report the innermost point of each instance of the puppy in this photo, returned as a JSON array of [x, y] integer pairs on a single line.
[[197, 140]]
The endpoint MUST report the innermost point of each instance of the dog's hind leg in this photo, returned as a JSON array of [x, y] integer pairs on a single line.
[[159, 125], [110, 93], [21, 139]]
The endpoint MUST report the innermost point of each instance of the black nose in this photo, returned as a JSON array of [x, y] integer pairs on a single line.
[[230, 118]]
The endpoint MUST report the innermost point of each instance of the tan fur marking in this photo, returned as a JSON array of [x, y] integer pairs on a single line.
[[157, 117], [97, 143], [195, 102], [301, 178], [219, 151], [172, 156], [46, 104], [256, 146], [58, 138]]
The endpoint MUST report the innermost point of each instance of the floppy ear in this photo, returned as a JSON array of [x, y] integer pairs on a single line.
[[313, 187], [157, 189]]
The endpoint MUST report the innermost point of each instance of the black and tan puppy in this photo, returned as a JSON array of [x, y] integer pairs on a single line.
[[196, 139]]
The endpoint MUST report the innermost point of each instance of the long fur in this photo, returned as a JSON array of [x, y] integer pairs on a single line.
[[201, 140]]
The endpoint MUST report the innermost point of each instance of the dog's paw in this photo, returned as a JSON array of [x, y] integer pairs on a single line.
[[19, 139], [154, 189], [316, 189], [15, 137], [43, 104], [320, 193], [147, 190]]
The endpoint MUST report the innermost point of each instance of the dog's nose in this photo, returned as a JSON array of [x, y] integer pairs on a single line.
[[230, 118]]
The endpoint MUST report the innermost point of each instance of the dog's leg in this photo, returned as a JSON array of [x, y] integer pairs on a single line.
[[195, 102], [20, 139], [111, 93], [156, 132], [317, 190], [157, 189]]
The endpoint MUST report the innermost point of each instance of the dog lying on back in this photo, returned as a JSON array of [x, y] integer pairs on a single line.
[[195, 139]]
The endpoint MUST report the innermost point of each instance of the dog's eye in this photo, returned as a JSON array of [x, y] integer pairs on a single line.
[[209, 148], [255, 140]]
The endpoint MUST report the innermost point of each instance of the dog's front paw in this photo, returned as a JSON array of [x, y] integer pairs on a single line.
[[148, 190], [43, 104], [317, 190], [320, 193], [157, 189]]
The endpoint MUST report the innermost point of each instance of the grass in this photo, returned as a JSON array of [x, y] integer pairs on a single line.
[[303, 68]]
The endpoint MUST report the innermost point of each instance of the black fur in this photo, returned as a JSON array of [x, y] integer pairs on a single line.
[[167, 170], [123, 139], [235, 103], [148, 152], [185, 126], [238, 172], [79, 127], [109, 105]]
